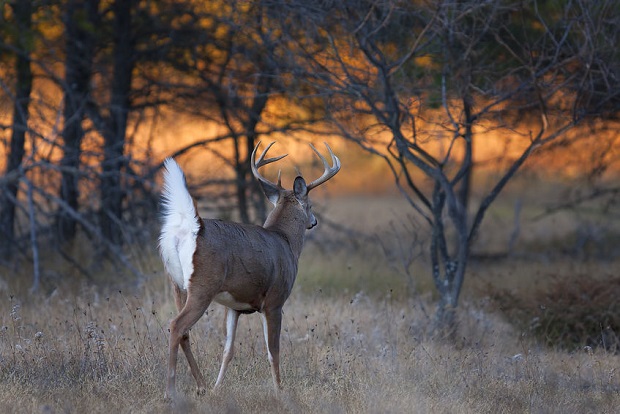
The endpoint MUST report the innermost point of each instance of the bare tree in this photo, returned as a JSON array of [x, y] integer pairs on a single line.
[[91, 63], [232, 77], [22, 12], [421, 84], [115, 124], [81, 20]]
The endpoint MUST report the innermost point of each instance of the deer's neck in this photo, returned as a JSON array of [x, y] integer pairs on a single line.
[[290, 224]]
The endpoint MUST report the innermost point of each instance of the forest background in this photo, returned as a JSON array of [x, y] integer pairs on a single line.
[[478, 193]]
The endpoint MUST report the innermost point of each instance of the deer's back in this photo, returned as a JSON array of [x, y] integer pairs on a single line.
[[254, 266]]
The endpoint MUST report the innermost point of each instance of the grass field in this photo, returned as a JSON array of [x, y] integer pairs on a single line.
[[353, 337]]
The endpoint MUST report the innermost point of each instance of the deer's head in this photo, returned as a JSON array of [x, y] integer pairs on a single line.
[[291, 205]]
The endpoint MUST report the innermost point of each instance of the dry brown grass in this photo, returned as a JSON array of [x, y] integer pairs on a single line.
[[95, 352], [353, 341]]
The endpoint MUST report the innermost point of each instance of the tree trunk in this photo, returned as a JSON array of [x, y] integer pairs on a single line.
[[115, 130], [80, 42], [256, 193], [444, 324], [448, 262], [247, 189], [241, 171], [261, 96], [467, 163], [23, 17], [249, 193]]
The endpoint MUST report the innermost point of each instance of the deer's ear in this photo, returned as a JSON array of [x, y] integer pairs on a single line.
[[299, 187], [271, 192]]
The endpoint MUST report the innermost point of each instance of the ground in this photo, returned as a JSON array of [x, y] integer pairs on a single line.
[[354, 337]]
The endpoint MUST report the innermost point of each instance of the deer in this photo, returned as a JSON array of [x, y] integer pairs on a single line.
[[246, 268]]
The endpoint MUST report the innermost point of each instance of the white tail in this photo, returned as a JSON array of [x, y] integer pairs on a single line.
[[244, 267], [177, 242]]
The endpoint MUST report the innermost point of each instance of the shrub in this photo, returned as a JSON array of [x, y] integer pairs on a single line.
[[568, 314]]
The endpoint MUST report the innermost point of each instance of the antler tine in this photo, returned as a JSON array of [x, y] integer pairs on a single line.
[[329, 171], [262, 162]]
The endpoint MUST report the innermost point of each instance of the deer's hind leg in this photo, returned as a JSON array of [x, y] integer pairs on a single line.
[[232, 317], [190, 311]]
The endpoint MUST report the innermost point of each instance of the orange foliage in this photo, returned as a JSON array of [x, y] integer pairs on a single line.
[[493, 148]]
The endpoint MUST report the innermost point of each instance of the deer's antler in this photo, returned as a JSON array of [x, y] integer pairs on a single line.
[[329, 171], [270, 188]]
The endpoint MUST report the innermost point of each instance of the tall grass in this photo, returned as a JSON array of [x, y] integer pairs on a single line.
[[348, 352], [353, 340]]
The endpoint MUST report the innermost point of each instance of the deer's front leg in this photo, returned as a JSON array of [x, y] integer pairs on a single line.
[[272, 321]]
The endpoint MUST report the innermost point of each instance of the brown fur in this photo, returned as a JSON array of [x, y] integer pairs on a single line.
[[255, 265]]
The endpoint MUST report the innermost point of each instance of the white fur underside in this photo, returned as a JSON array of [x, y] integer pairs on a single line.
[[177, 241], [226, 299]]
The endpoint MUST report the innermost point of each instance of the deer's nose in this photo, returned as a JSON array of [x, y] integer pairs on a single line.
[[313, 222]]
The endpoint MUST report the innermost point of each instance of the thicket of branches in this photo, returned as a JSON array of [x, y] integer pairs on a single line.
[[84, 78], [418, 83], [421, 74]]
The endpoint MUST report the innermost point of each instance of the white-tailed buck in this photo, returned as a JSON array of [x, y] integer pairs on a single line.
[[246, 268]]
